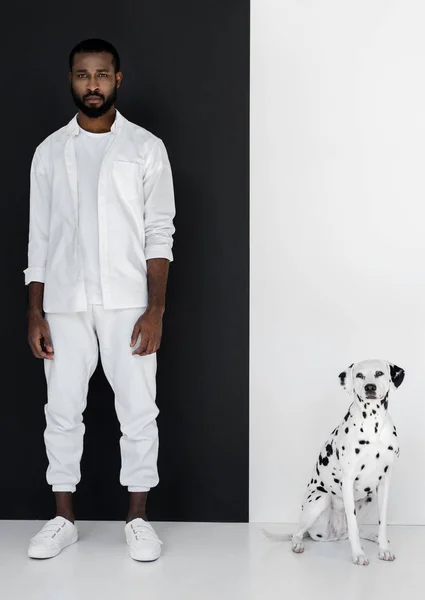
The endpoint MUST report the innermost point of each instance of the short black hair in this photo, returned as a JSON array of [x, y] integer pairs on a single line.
[[95, 45]]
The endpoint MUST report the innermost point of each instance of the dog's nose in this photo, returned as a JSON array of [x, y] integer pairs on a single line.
[[370, 387]]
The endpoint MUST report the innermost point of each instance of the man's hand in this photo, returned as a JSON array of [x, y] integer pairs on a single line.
[[39, 337], [150, 326]]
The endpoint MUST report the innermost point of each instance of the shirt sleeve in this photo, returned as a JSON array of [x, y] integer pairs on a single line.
[[38, 238], [159, 209]]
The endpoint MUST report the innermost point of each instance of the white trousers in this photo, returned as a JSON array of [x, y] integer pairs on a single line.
[[77, 339]]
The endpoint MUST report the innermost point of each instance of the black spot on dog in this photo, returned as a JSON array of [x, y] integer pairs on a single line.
[[321, 489], [336, 480], [367, 489], [390, 448], [337, 453], [318, 497], [347, 416], [357, 450], [362, 442], [363, 466], [369, 499], [326, 461], [317, 470], [320, 459], [315, 481], [374, 411], [377, 456], [321, 483], [380, 477], [343, 447], [329, 450], [364, 414], [376, 427], [336, 432], [355, 511], [356, 479], [386, 469], [347, 430], [333, 493], [384, 402], [311, 481], [318, 535], [361, 429]]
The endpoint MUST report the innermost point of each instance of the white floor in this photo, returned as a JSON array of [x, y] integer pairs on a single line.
[[206, 561]]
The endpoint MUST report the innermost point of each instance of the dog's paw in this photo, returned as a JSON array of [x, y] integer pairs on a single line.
[[298, 547], [360, 559], [386, 555]]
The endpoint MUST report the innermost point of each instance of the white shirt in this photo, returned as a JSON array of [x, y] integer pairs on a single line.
[[90, 149], [135, 217]]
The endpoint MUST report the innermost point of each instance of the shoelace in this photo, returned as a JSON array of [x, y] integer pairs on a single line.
[[145, 533]]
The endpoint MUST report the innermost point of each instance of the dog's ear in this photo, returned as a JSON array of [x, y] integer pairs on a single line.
[[346, 379], [396, 374]]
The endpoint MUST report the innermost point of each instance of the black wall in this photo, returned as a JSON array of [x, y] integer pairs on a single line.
[[186, 79]]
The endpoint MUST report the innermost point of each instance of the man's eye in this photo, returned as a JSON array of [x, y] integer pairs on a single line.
[[81, 75], [103, 75]]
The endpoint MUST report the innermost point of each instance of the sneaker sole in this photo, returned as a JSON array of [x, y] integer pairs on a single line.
[[145, 558], [46, 552]]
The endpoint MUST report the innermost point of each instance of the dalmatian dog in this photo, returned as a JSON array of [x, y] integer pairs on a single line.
[[355, 465]]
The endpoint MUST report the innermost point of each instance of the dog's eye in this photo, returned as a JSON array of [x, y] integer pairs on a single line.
[[378, 374], [360, 375]]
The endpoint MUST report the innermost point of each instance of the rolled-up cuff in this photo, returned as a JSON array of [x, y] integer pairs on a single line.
[[160, 251], [138, 488], [34, 274], [64, 488]]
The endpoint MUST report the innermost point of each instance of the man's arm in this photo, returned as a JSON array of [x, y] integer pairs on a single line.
[[157, 284], [159, 229], [38, 238], [38, 329], [35, 298]]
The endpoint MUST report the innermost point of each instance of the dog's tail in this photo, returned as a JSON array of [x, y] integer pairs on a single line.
[[280, 537]]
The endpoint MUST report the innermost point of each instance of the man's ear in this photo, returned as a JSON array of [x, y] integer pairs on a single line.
[[396, 374], [346, 379]]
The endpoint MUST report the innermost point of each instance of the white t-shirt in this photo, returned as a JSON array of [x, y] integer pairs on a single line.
[[90, 149]]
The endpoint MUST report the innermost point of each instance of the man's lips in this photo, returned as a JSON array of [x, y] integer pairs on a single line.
[[93, 99]]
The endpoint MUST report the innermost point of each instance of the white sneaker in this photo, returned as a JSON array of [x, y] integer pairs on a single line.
[[142, 540], [53, 538]]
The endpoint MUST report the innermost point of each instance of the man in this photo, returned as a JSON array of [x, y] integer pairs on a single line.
[[100, 242]]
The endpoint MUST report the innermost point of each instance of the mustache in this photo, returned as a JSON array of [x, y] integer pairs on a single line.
[[95, 95]]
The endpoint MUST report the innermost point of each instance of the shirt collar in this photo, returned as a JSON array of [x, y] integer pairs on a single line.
[[74, 129]]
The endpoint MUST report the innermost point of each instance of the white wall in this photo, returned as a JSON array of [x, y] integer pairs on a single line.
[[337, 233]]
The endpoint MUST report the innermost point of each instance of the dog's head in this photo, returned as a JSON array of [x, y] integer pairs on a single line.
[[371, 379]]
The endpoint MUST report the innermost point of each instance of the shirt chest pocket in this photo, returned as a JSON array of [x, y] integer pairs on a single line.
[[127, 179]]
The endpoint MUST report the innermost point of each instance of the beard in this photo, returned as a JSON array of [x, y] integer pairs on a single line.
[[94, 112]]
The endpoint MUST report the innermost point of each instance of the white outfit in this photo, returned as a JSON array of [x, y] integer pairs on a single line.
[[101, 205], [90, 149], [135, 217], [75, 339]]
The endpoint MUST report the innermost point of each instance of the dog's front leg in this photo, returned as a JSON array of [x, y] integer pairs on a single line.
[[383, 495], [359, 557]]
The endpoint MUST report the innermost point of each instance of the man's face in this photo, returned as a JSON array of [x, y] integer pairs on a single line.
[[94, 83]]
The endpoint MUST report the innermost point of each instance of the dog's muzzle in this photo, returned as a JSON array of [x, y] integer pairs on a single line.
[[370, 391]]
